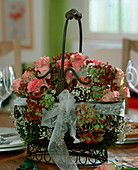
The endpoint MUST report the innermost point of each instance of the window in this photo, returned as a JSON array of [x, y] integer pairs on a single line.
[[112, 19]]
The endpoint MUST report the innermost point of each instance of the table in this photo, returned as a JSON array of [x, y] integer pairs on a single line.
[[12, 160]]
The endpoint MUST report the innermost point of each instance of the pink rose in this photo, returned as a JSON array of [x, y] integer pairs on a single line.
[[42, 65], [84, 79], [77, 60], [16, 84], [110, 96], [87, 61], [119, 77], [124, 92], [27, 76], [36, 84], [67, 64], [69, 77], [106, 166], [97, 62]]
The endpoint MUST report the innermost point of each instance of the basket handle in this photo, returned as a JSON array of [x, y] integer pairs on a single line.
[[73, 13]]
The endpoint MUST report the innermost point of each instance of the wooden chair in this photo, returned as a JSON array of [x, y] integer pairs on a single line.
[[127, 46], [9, 46]]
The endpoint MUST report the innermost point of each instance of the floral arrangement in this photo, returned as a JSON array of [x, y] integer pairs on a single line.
[[106, 81], [106, 86]]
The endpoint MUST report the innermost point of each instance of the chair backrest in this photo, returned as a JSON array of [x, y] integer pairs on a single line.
[[127, 46], [9, 46]]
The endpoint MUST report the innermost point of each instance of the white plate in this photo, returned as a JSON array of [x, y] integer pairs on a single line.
[[4, 130], [128, 140], [12, 149], [15, 141], [131, 140]]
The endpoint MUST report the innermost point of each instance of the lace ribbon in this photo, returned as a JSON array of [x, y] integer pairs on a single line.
[[62, 118]]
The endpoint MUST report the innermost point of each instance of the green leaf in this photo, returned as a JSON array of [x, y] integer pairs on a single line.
[[101, 126], [96, 127], [35, 167], [100, 138], [52, 99], [28, 164]]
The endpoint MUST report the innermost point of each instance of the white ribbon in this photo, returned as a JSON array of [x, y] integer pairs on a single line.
[[61, 117]]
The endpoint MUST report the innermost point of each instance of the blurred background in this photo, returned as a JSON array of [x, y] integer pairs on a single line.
[[105, 23]]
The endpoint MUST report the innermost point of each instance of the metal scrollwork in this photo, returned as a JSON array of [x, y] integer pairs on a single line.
[[77, 77]]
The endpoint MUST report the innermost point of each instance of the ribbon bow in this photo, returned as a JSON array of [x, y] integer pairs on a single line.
[[63, 118]]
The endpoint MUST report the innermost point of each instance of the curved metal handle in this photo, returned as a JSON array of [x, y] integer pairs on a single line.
[[73, 13]]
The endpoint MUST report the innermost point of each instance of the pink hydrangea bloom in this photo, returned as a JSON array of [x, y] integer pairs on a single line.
[[110, 96], [36, 84], [42, 65], [124, 92], [77, 60]]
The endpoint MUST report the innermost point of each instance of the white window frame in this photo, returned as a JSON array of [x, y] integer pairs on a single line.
[[101, 36]]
